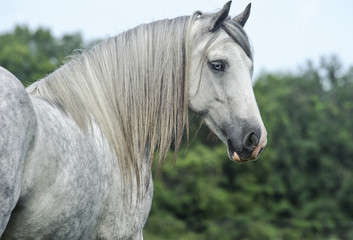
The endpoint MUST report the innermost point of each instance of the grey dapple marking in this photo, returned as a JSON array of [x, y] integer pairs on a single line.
[[76, 147], [17, 129]]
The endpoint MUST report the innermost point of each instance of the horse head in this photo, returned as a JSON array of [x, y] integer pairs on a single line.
[[220, 87]]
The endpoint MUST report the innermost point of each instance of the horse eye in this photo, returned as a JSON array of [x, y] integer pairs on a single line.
[[218, 65]]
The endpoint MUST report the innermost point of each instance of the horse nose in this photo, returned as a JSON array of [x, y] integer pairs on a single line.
[[251, 140], [250, 147]]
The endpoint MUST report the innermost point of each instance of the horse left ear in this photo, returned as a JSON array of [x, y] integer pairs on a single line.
[[243, 17], [220, 17]]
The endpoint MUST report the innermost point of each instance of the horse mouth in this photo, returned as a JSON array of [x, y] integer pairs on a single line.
[[234, 156]]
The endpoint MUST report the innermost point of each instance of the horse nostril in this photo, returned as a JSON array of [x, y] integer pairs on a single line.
[[250, 141]]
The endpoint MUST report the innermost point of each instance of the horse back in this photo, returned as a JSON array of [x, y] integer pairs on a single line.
[[17, 130]]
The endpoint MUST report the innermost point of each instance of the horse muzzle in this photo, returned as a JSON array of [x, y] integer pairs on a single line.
[[250, 148]]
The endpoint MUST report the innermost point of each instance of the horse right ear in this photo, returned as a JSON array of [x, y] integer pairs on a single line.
[[220, 17]]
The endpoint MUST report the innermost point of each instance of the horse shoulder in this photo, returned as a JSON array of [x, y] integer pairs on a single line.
[[65, 182]]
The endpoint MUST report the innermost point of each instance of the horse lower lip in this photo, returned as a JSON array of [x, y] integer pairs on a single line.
[[232, 153], [235, 157]]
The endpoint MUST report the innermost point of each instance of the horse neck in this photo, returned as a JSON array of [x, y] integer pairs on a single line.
[[134, 88]]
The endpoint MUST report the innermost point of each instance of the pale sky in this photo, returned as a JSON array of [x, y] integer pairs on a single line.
[[284, 34]]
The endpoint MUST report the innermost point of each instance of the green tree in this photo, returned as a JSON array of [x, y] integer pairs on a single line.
[[30, 55]]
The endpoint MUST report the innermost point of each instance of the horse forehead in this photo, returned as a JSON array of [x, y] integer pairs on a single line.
[[225, 46]]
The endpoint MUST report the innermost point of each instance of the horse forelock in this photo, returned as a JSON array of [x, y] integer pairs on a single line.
[[237, 33]]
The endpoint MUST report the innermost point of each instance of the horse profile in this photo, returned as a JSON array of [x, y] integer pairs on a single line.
[[76, 147]]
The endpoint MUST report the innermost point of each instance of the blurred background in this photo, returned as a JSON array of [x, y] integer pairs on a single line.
[[302, 185]]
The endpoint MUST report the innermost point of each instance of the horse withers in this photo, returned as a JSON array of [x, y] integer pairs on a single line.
[[76, 147]]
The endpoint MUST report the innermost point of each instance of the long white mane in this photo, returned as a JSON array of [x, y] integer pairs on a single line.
[[134, 86]]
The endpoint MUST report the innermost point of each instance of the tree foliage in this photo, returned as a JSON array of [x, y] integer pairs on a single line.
[[30, 55], [300, 188]]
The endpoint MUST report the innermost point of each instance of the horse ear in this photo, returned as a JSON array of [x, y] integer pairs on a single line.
[[243, 17], [220, 17]]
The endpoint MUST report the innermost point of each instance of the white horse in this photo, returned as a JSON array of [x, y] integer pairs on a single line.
[[76, 147]]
